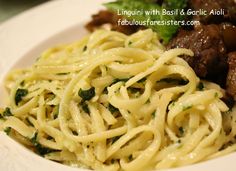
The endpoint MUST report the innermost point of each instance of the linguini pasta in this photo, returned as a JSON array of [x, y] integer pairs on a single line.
[[117, 102]]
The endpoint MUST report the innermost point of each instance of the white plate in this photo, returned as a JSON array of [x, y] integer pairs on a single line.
[[21, 41]]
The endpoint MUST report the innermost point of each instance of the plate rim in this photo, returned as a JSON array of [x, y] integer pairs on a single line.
[[10, 146]]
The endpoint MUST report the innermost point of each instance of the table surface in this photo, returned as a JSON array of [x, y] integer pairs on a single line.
[[10, 8]]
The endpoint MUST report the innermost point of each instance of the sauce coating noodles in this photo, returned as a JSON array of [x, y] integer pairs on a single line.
[[116, 102]]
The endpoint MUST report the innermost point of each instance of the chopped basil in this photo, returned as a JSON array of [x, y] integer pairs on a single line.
[[187, 107], [55, 115], [142, 80], [166, 32], [84, 106], [148, 101], [216, 95], [50, 138], [130, 157], [85, 48], [173, 103], [51, 97], [28, 121], [22, 83], [114, 139], [63, 73], [75, 133], [87, 94], [112, 108], [37, 58], [179, 141], [56, 112], [200, 86], [7, 112], [105, 91], [174, 81], [120, 79], [154, 114], [112, 161], [41, 150], [20, 93], [7, 130], [134, 90], [130, 43], [34, 138], [181, 130]]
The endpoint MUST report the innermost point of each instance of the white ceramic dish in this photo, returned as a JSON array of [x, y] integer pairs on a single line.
[[21, 41]]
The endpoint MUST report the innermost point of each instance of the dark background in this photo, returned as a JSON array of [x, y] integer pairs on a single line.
[[10, 8]]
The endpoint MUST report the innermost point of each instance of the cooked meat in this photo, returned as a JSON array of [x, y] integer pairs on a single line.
[[229, 35], [210, 41], [207, 43], [228, 99], [229, 7], [231, 78], [109, 18]]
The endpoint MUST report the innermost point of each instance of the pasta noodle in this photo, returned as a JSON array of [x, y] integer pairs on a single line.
[[117, 102]]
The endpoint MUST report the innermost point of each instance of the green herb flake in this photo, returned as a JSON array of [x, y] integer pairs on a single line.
[[174, 81], [166, 32], [75, 133], [112, 161], [34, 138], [41, 150], [85, 48], [120, 80], [37, 59], [200, 86], [29, 123], [134, 90], [130, 157], [84, 106], [87, 94], [187, 107], [63, 73], [142, 80], [112, 108], [50, 138], [105, 91], [179, 141], [7, 112], [7, 130], [173, 103], [216, 95], [154, 114], [20, 93], [130, 43], [114, 139], [56, 112], [181, 130], [148, 101], [22, 83]]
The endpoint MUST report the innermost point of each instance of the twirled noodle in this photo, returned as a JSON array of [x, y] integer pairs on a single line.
[[117, 102]]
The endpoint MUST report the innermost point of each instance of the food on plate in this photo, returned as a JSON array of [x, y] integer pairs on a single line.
[[132, 97], [116, 102], [211, 38]]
